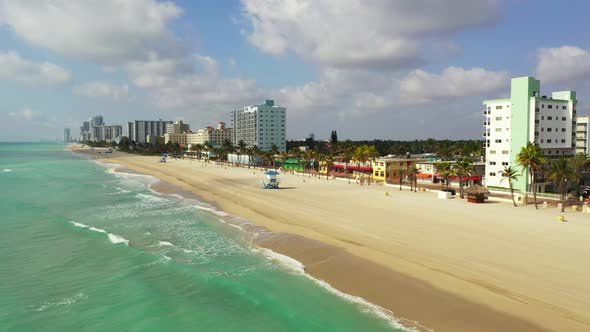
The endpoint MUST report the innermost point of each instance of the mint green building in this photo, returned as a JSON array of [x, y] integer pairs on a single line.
[[527, 116]]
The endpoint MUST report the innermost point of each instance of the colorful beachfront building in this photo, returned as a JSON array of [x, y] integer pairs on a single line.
[[390, 169], [527, 116], [429, 172]]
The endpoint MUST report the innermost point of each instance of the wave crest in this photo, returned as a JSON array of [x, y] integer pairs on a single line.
[[113, 238]]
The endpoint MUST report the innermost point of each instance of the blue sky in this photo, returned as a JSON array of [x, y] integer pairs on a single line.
[[369, 69]]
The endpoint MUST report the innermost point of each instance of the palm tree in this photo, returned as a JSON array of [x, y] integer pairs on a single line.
[[463, 168], [560, 171], [227, 147], [360, 157], [347, 155], [531, 158], [198, 148], [446, 170], [511, 174], [208, 147], [580, 164], [372, 154], [328, 160], [402, 172], [414, 171], [241, 148], [274, 150]]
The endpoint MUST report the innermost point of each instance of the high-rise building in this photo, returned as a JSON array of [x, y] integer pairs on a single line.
[[178, 127], [95, 121], [138, 130], [110, 133], [84, 132], [216, 136], [66, 135], [261, 125], [527, 116], [582, 138]]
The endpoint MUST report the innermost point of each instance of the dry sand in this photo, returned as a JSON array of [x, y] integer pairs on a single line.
[[450, 265]]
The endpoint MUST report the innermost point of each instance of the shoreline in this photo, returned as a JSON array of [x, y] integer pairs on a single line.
[[265, 240], [408, 297]]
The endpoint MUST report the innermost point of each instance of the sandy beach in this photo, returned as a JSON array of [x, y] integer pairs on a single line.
[[446, 264]]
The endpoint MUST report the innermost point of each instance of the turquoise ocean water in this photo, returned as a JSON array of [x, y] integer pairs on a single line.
[[85, 249]]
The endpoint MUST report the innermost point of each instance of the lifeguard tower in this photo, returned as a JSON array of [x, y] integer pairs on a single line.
[[271, 181]]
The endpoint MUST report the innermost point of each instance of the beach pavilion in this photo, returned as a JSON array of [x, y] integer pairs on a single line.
[[477, 193]]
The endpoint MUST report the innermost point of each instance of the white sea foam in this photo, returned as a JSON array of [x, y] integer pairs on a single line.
[[166, 257], [152, 199], [77, 224], [6, 170], [114, 238], [296, 267], [165, 244], [287, 262], [63, 302], [119, 191]]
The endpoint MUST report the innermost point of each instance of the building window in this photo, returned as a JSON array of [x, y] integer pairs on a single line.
[[498, 130], [563, 118], [536, 133], [563, 107], [537, 109], [498, 141], [549, 140], [492, 174], [549, 129], [505, 152], [492, 163], [542, 118], [542, 129], [563, 141], [504, 163], [489, 108], [563, 130], [549, 106], [382, 174], [498, 107], [549, 118], [492, 151], [498, 118], [542, 105]]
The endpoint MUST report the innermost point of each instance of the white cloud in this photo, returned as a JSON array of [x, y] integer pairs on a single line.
[[191, 82], [103, 90], [25, 114], [566, 63], [422, 87], [355, 33], [32, 117], [105, 31], [13, 67]]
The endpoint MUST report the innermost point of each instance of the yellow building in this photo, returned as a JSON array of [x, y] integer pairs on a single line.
[[389, 169]]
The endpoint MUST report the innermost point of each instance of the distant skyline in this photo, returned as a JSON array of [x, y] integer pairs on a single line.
[[390, 69]]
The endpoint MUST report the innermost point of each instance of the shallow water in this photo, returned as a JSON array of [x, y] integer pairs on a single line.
[[85, 249]]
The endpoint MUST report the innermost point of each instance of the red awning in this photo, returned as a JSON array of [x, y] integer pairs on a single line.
[[423, 175], [354, 167], [465, 178]]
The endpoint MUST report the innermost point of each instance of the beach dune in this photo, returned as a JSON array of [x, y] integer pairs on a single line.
[[443, 264]]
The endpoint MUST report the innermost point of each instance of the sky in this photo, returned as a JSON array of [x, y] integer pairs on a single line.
[[386, 69]]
